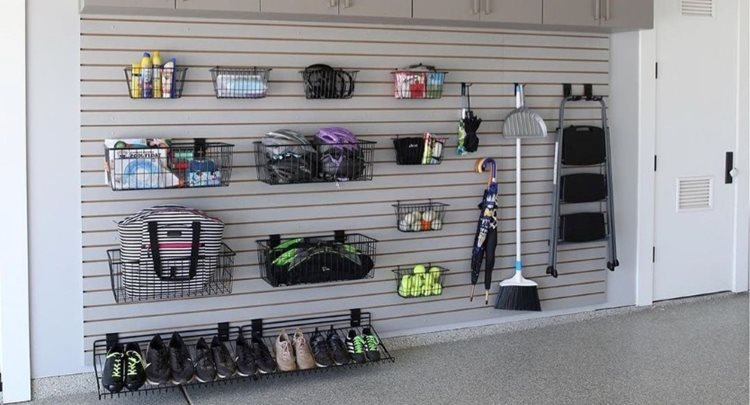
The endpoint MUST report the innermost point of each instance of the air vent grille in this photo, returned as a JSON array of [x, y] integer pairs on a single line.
[[695, 193], [698, 8]]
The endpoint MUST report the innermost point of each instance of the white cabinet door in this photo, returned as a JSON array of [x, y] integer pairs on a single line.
[[168, 4], [465, 10], [324, 7], [630, 14], [252, 6], [512, 11], [375, 8], [572, 12]]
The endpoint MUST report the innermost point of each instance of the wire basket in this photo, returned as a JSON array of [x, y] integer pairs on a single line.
[[420, 217], [325, 82], [240, 82], [422, 83], [174, 278], [163, 164], [420, 281], [317, 259], [426, 150], [313, 163], [170, 84]]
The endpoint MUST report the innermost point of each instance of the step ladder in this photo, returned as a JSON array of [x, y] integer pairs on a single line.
[[582, 180]]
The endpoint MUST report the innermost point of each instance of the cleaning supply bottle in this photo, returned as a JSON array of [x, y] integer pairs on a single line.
[[147, 76], [135, 80], [156, 61]]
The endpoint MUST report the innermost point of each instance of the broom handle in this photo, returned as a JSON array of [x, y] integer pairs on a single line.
[[519, 103]]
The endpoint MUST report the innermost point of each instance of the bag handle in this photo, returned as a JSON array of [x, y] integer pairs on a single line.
[[153, 234]]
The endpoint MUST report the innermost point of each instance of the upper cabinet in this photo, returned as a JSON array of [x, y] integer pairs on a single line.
[[624, 14], [572, 12], [320, 7], [628, 14], [512, 11], [252, 6], [92, 4], [375, 8], [466, 10]]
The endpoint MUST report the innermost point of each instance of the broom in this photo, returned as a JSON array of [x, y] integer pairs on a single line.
[[518, 293]]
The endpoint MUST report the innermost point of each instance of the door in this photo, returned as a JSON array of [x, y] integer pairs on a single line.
[[512, 11], [252, 6], [465, 10], [630, 14], [696, 93], [324, 7], [376, 8], [168, 4], [572, 12]]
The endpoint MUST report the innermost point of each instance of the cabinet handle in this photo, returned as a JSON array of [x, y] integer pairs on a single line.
[[597, 10], [487, 7], [607, 10], [333, 3], [475, 9], [347, 3]]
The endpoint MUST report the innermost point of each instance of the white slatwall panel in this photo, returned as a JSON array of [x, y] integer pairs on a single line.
[[490, 58]]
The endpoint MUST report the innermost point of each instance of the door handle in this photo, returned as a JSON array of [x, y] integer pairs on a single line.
[[607, 10], [597, 10], [475, 7], [730, 172], [487, 7]]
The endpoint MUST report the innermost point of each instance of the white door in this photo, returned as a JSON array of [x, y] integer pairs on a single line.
[[696, 116]]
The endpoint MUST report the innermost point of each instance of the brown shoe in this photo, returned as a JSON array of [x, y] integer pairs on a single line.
[[305, 359], [284, 353]]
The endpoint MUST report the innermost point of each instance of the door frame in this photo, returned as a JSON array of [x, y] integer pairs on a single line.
[[14, 279]]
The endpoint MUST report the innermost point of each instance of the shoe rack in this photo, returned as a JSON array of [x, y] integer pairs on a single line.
[[266, 330]]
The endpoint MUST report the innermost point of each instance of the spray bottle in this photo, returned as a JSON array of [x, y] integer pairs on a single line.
[[156, 61], [147, 76]]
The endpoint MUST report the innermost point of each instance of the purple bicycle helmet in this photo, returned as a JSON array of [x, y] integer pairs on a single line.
[[339, 153]]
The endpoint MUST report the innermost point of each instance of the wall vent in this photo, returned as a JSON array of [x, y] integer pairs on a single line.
[[695, 193], [698, 8]]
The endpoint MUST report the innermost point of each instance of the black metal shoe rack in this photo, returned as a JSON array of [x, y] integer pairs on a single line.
[[266, 330]]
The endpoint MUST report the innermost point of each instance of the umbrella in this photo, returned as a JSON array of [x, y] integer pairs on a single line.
[[468, 125], [485, 241]]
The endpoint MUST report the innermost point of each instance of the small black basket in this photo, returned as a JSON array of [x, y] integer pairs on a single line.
[[420, 217], [179, 277], [240, 82], [317, 259], [325, 82], [312, 163], [419, 150], [171, 82], [413, 284], [164, 165]]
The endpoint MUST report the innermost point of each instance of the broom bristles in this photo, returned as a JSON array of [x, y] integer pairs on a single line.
[[518, 298]]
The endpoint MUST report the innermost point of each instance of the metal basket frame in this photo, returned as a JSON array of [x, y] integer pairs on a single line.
[[406, 213], [240, 82]]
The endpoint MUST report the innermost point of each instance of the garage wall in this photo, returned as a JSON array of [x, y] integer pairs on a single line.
[[492, 59]]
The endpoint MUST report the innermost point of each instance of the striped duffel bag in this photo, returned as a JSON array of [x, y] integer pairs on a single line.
[[168, 251]]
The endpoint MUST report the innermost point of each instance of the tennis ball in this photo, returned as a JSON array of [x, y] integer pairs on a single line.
[[416, 227], [428, 216], [405, 281], [403, 225], [437, 289], [419, 269], [436, 224], [426, 292]]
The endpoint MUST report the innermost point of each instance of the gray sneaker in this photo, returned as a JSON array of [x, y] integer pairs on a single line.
[[305, 359], [285, 353]]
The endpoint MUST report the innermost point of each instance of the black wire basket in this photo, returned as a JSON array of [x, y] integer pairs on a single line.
[[317, 259], [170, 83], [164, 164], [418, 82], [425, 216], [240, 82], [174, 278], [426, 150], [325, 82], [313, 163], [420, 281]]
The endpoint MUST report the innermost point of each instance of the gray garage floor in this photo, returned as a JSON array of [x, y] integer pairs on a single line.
[[693, 352]]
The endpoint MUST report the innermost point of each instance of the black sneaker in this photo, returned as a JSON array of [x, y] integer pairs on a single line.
[[157, 362], [223, 359], [320, 350], [245, 357], [135, 376], [205, 370], [263, 358], [113, 378], [337, 348], [180, 361], [371, 345], [355, 345]]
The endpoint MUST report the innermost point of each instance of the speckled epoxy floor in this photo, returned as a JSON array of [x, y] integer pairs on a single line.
[[692, 353]]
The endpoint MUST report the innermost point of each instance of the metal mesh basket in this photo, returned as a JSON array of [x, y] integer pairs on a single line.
[[324, 82], [180, 164], [418, 84], [419, 150], [240, 82], [427, 282], [170, 85], [420, 217]]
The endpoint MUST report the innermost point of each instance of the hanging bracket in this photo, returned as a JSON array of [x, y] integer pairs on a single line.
[[356, 317], [257, 325], [112, 339], [223, 331]]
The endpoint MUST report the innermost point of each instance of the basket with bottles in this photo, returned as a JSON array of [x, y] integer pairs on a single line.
[[418, 82], [150, 79]]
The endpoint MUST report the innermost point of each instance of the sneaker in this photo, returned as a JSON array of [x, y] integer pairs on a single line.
[[157, 362], [205, 370], [245, 357], [355, 345], [285, 353], [337, 348], [135, 376], [113, 378], [320, 350], [305, 359], [263, 359], [371, 345], [180, 361], [223, 359]]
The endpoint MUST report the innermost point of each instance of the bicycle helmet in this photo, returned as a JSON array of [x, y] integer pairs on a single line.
[[289, 157], [340, 155]]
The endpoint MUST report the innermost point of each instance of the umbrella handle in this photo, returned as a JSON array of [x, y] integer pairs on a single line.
[[482, 168]]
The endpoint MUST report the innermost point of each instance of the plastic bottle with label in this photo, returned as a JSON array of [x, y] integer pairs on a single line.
[[147, 76], [156, 62]]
